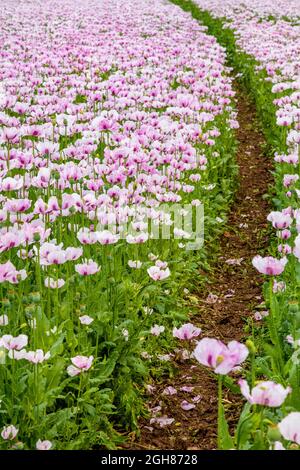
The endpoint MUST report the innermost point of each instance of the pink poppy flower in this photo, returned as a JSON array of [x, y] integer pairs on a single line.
[[158, 274], [9, 432], [80, 364], [280, 220], [11, 184], [88, 268], [156, 330], [215, 354], [43, 445], [211, 298], [17, 355], [3, 320], [37, 357], [73, 253], [186, 406], [9, 273], [278, 446], [269, 265], [13, 343], [289, 427]]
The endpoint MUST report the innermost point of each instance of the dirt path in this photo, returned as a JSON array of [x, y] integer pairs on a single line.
[[232, 296]]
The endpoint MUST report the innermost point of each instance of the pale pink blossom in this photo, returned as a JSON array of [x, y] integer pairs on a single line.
[[80, 364], [169, 391], [279, 286], [86, 237], [137, 239], [215, 354], [9, 432], [284, 235], [73, 371], [86, 320], [197, 398], [211, 298], [278, 446], [9, 273], [87, 268], [56, 257], [43, 445], [17, 355], [289, 339], [54, 283], [11, 184], [158, 274], [289, 180], [186, 406], [234, 261], [289, 427], [269, 265], [265, 393], [156, 330], [162, 421], [280, 220]]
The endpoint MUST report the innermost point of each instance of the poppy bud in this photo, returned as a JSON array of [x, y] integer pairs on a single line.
[[274, 433], [36, 237], [251, 346]]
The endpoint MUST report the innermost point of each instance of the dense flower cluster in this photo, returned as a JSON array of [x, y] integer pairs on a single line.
[[96, 124]]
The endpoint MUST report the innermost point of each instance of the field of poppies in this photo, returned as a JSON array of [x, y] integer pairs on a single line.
[[117, 172]]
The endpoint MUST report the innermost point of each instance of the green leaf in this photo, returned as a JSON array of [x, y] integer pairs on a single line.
[[294, 381], [54, 373], [244, 427], [224, 438], [58, 347]]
